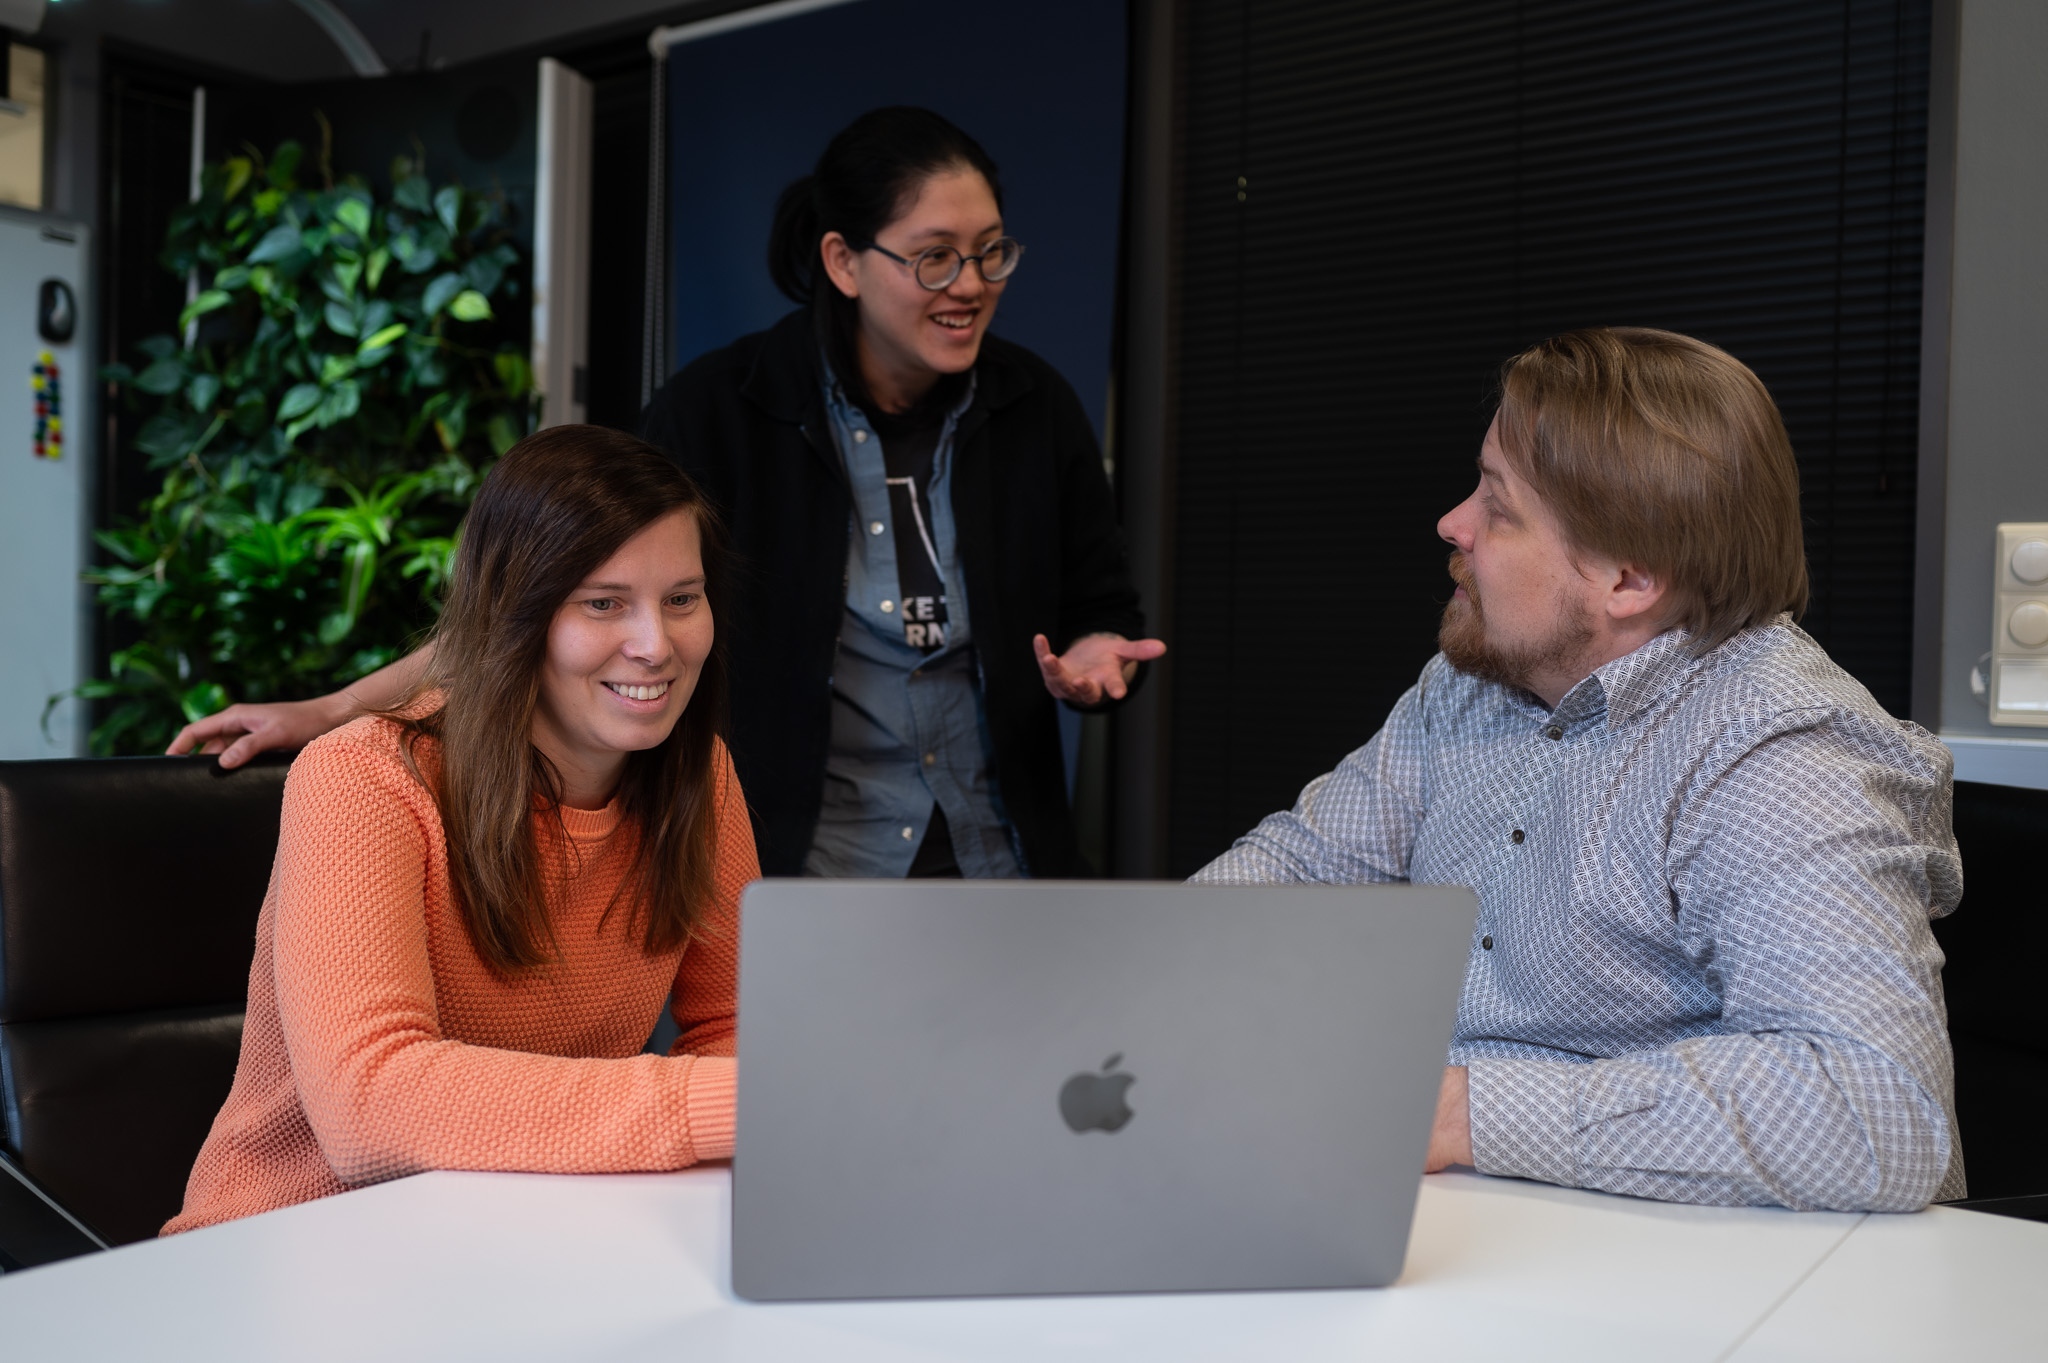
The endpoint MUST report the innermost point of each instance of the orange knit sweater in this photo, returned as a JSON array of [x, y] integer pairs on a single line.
[[379, 1044]]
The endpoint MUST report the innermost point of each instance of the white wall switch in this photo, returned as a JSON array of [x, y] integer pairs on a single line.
[[2019, 625]]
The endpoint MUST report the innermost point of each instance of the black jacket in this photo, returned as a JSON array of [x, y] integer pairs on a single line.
[[1038, 541]]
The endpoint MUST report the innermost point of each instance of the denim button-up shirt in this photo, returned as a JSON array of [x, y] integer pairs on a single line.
[[1702, 969], [907, 726]]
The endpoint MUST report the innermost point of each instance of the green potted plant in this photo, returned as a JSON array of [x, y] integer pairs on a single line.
[[339, 385]]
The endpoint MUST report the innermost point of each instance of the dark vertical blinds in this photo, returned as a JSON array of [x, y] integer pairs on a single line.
[[1385, 200]]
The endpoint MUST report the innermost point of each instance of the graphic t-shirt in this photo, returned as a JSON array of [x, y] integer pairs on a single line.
[[908, 443]]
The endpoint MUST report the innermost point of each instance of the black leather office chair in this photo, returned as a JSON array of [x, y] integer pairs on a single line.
[[1994, 943], [129, 889]]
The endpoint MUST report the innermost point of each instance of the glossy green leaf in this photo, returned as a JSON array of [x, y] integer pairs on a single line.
[[277, 243], [513, 372], [484, 273], [165, 376], [340, 319], [233, 277], [239, 170], [301, 399], [206, 302], [336, 627], [439, 293], [342, 402], [335, 368], [415, 193], [284, 164], [470, 306], [201, 392], [303, 497], [448, 207], [354, 214], [502, 434], [166, 436], [202, 700], [379, 258], [451, 428], [380, 340]]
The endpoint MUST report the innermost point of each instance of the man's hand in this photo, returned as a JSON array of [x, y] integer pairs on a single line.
[[239, 732], [1093, 667], [1450, 1140]]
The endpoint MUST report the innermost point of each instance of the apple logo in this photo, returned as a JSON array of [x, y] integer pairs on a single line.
[[1093, 1102]]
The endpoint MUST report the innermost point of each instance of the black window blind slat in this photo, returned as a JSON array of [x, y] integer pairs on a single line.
[[1428, 187]]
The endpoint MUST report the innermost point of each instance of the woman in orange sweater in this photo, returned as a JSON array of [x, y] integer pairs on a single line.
[[482, 897]]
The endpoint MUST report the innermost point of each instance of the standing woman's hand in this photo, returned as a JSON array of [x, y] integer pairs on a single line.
[[1094, 667], [239, 732]]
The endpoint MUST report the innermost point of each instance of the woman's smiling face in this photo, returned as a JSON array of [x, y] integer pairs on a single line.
[[910, 335], [624, 655]]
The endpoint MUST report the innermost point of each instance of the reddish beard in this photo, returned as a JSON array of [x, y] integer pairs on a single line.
[[1468, 646]]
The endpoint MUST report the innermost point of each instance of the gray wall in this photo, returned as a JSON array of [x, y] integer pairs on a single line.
[[1997, 336]]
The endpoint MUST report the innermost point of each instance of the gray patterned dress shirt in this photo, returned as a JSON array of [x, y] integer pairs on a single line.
[[1703, 969]]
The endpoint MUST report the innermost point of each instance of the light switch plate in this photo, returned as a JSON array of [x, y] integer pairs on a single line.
[[2019, 625]]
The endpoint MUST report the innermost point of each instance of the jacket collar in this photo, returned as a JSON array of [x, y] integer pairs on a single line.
[[786, 382]]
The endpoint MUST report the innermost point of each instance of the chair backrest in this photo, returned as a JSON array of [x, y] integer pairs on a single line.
[[1992, 981], [129, 889]]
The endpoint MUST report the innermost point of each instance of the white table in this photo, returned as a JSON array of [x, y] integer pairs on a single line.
[[504, 1266]]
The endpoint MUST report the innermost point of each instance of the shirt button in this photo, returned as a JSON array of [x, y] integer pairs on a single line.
[[875, 527], [1486, 943], [888, 606], [860, 437], [1553, 732], [931, 759], [1515, 837], [909, 833]]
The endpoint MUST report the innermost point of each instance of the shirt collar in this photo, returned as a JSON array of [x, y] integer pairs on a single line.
[[1632, 683]]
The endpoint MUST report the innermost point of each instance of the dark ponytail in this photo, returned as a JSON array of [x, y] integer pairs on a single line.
[[868, 175]]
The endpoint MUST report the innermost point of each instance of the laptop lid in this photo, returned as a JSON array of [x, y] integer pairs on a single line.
[[974, 1088]]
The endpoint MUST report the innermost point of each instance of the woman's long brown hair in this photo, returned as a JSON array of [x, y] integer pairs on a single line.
[[558, 505]]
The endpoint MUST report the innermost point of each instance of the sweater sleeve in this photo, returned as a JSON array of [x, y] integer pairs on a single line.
[[707, 982], [385, 1093]]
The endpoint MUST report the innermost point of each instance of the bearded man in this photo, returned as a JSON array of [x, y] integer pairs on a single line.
[[1706, 858]]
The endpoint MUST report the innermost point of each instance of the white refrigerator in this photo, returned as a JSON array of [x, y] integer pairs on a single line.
[[47, 449]]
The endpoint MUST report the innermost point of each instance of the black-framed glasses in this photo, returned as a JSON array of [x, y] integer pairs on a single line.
[[936, 267]]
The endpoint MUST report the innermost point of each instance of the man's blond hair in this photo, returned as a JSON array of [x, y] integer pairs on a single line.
[[1660, 451]]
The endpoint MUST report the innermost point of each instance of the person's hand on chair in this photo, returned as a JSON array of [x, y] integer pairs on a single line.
[[239, 732]]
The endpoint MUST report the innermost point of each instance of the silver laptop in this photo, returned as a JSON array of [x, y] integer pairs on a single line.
[[983, 1088]]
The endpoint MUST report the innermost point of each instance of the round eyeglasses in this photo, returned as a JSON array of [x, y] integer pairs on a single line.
[[936, 267]]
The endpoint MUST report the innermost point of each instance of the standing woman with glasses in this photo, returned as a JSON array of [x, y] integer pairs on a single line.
[[931, 551], [928, 549]]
